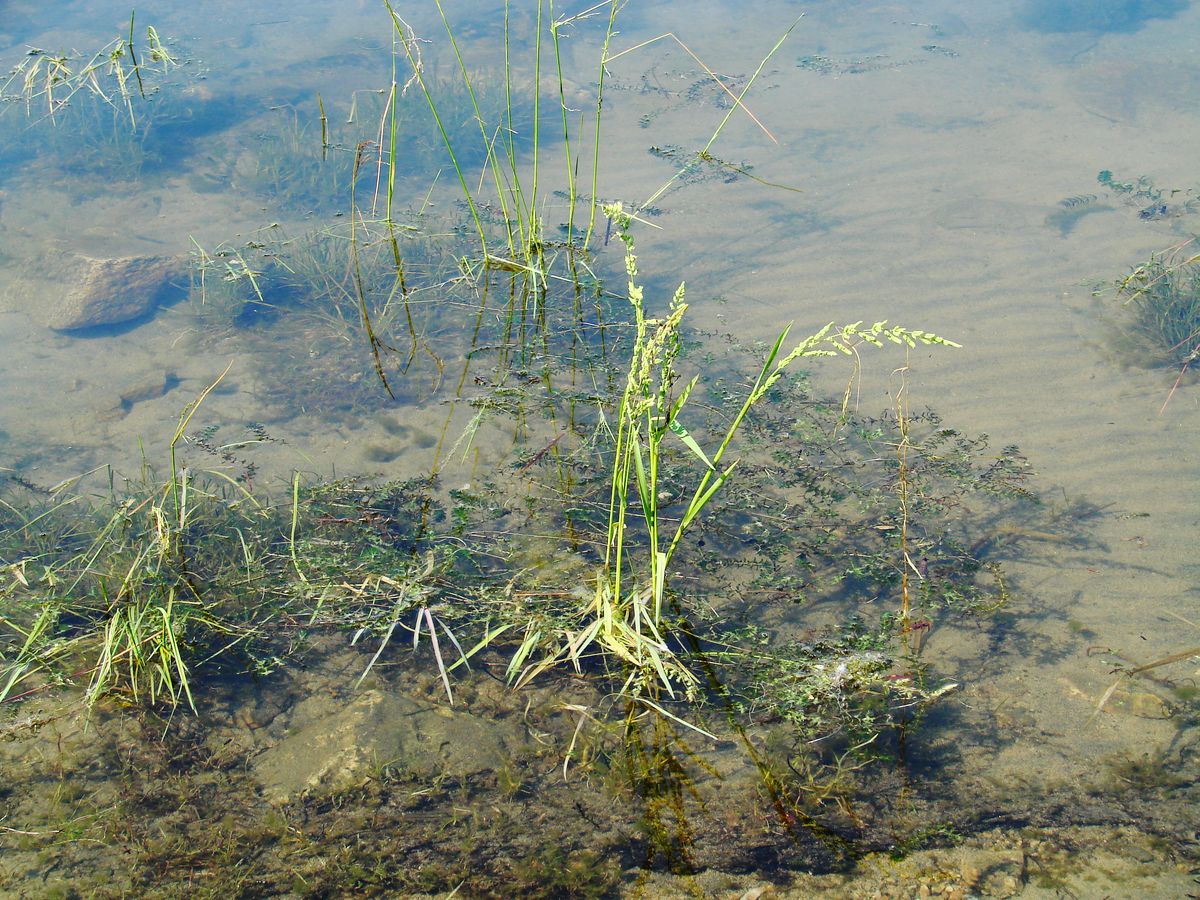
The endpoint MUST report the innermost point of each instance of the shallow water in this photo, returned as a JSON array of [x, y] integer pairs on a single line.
[[931, 146]]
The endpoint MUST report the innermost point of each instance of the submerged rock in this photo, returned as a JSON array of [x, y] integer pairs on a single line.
[[331, 744], [111, 291]]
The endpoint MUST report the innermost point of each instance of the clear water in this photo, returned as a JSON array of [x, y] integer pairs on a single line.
[[931, 147]]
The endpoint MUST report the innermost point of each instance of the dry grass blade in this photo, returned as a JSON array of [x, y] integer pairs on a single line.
[[1165, 661], [735, 98]]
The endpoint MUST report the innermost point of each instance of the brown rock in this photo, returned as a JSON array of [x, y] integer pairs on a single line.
[[111, 291]]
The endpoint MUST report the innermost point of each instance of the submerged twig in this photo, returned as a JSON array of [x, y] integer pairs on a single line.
[[1138, 670]]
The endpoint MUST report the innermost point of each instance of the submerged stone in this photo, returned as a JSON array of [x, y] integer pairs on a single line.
[[111, 291], [332, 744]]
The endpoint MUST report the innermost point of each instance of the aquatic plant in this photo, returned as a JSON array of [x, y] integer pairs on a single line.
[[1128, 674], [515, 194], [300, 171], [513, 159], [509, 568], [1152, 202], [227, 281], [1143, 189], [97, 113], [113, 74], [127, 604], [626, 616], [1163, 298], [1161, 301], [308, 304], [297, 172], [629, 485]]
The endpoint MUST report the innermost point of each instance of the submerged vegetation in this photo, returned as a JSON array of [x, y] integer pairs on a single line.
[[780, 612], [511, 164], [104, 112], [192, 570], [659, 537], [1160, 311], [1159, 322], [1162, 296], [117, 593], [46, 83], [158, 579], [628, 614]]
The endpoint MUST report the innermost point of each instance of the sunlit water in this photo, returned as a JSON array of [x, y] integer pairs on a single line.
[[926, 151]]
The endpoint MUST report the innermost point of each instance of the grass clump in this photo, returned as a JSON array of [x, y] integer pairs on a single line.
[[136, 593], [130, 592], [308, 304], [1162, 296], [543, 141], [105, 113], [45, 83], [300, 169], [512, 156], [290, 165], [627, 617]]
